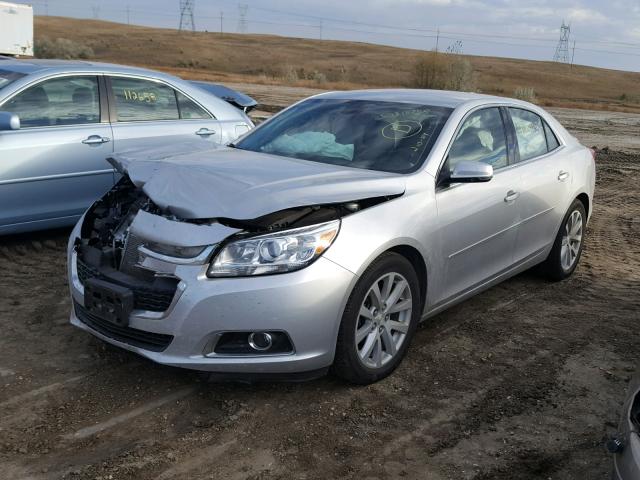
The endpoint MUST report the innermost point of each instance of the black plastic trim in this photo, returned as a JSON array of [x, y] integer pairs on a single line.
[[156, 342]]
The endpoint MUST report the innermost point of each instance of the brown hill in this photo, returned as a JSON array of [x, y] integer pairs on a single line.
[[271, 59]]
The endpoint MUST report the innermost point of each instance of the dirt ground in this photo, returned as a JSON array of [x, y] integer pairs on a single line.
[[524, 381]]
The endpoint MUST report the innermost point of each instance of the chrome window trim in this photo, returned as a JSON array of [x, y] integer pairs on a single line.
[[53, 77]]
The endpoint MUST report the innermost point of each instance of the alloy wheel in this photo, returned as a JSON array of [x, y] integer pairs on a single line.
[[383, 320], [571, 240]]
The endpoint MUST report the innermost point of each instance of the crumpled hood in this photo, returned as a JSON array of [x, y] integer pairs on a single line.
[[242, 185]]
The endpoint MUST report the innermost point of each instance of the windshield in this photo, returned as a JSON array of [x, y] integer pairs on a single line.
[[373, 135], [6, 77]]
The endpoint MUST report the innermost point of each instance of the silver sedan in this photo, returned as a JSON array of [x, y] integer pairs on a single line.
[[324, 236], [59, 120]]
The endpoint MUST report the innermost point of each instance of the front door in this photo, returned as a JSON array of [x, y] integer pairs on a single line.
[[478, 221], [54, 166]]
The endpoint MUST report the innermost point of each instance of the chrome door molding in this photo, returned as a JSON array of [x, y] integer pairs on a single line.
[[56, 176]]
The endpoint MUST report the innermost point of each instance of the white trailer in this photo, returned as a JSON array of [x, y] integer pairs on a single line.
[[16, 29]]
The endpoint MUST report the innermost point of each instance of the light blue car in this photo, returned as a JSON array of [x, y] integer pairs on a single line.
[[59, 120]]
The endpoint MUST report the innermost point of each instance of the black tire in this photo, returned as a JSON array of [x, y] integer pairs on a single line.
[[347, 363], [552, 267]]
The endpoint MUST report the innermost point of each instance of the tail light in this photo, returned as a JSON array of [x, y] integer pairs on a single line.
[[593, 153]]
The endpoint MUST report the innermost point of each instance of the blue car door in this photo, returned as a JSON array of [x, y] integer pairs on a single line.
[[54, 166]]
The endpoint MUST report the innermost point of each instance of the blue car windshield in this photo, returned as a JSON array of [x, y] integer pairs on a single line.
[[6, 77], [373, 135]]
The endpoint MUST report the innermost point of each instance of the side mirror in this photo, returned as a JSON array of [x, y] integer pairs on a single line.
[[9, 121], [471, 172]]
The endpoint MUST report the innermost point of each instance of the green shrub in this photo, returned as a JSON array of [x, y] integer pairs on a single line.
[[61, 48], [442, 71], [528, 94]]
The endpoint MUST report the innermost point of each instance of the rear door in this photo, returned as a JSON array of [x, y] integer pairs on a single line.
[[478, 221], [545, 186], [148, 113], [54, 166]]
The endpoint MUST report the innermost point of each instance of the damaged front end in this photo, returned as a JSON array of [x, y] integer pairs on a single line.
[[128, 241]]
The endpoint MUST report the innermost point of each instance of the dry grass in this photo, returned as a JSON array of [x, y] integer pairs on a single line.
[[270, 59]]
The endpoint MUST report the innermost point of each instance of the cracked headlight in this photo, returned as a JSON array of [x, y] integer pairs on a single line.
[[279, 252]]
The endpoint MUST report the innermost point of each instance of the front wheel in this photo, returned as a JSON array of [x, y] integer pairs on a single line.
[[567, 247], [379, 321]]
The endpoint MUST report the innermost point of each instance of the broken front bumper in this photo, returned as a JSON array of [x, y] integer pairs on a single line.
[[307, 305]]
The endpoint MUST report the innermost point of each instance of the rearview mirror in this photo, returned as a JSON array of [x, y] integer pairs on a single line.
[[9, 121], [471, 172]]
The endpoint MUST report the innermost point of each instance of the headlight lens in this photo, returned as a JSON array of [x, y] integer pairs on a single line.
[[274, 253]]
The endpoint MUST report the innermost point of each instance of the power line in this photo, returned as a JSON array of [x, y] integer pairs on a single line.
[[186, 15]]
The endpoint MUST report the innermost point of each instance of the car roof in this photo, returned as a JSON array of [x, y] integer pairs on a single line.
[[439, 98], [30, 66]]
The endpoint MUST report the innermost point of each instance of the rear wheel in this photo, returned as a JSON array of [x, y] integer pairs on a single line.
[[567, 247], [379, 321]]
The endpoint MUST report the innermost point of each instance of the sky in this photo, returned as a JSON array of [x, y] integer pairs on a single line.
[[606, 32]]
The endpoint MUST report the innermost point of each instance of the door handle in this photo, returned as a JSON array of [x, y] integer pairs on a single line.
[[205, 132], [95, 140], [512, 195], [562, 176]]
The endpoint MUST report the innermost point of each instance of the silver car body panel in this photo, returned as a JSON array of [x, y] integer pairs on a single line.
[[469, 236], [248, 185], [48, 176]]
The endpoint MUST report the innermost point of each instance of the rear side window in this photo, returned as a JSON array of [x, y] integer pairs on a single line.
[[59, 101], [481, 138], [189, 109], [532, 141], [143, 100], [552, 140]]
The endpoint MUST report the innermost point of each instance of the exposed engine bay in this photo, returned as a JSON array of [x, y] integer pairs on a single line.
[[107, 223]]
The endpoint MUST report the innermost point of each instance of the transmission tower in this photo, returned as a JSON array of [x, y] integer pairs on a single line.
[[562, 50], [455, 47], [243, 26], [186, 15]]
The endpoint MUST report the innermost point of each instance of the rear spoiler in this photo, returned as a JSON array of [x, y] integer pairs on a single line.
[[235, 98]]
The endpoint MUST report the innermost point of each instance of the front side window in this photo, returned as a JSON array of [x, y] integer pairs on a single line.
[[529, 132], [373, 135], [140, 100], [59, 101], [481, 138]]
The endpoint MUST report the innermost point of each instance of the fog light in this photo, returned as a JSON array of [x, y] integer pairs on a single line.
[[260, 341], [265, 342]]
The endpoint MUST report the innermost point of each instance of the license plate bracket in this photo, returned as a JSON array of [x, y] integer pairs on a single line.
[[108, 301]]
